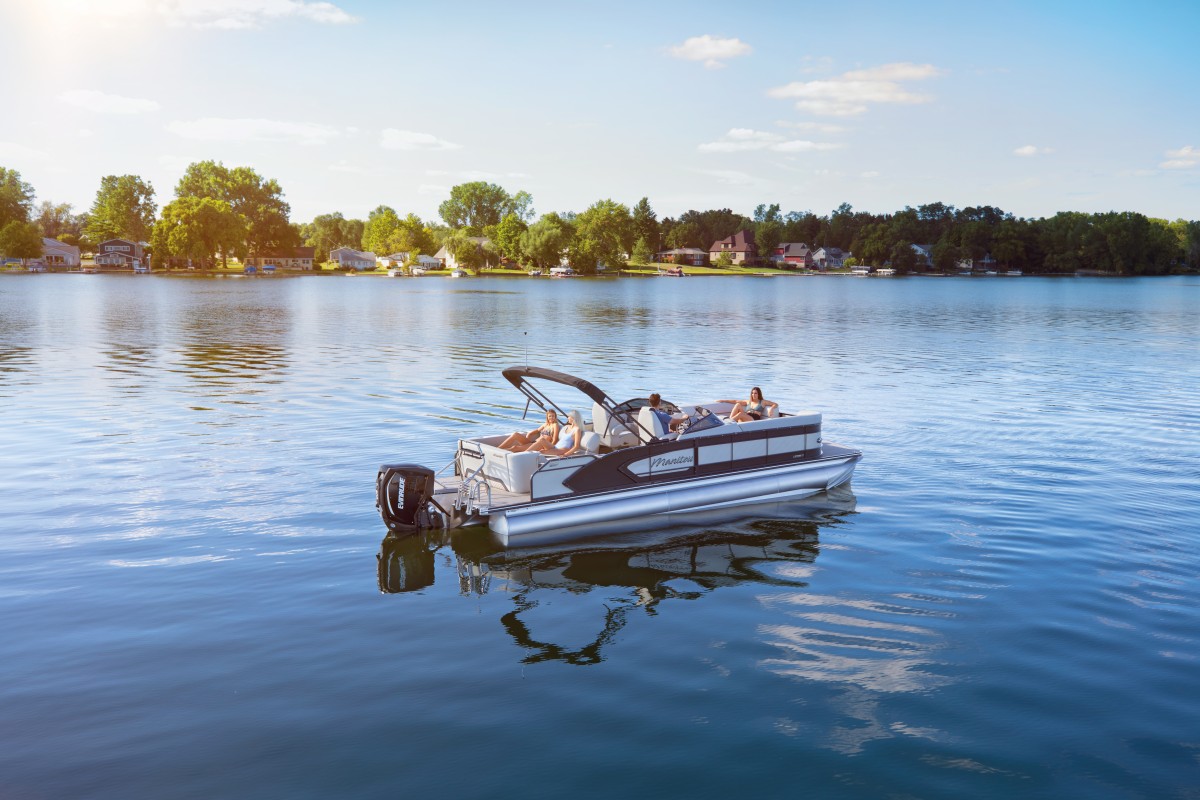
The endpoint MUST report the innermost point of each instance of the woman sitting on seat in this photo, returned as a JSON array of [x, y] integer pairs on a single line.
[[569, 439], [753, 409], [518, 441]]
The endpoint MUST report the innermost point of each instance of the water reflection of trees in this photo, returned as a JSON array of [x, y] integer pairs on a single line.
[[653, 568]]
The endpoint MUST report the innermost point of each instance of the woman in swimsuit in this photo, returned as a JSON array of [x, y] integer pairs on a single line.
[[520, 441], [754, 408], [569, 438]]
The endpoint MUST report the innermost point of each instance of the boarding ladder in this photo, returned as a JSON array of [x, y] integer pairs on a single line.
[[472, 489]]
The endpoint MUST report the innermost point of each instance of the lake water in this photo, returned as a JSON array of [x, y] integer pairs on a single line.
[[1004, 603]]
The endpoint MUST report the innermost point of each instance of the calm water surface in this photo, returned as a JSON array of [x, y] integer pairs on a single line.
[[1005, 602]]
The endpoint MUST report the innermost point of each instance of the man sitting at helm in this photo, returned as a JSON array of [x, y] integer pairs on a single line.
[[669, 423]]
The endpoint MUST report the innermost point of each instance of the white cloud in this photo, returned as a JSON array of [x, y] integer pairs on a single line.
[[11, 151], [1183, 158], [430, 188], [1032, 150], [823, 127], [743, 139], [218, 129], [712, 50], [854, 92], [393, 139], [220, 14], [104, 103], [84, 133], [870, 174]]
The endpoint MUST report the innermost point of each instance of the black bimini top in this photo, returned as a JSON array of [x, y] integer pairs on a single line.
[[520, 376]]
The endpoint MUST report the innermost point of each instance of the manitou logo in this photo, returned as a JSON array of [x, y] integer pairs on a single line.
[[672, 462]]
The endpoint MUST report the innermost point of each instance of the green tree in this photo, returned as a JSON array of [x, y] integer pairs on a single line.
[[645, 225], [546, 241], [520, 204], [945, 253], [16, 197], [469, 251], [603, 235], [874, 243], [507, 237], [258, 200], [642, 253], [767, 236], [903, 257], [412, 236], [478, 204], [330, 231], [1191, 243], [725, 259], [380, 230], [124, 208], [20, 239], [687, 234], [56, 219], [198, 229]]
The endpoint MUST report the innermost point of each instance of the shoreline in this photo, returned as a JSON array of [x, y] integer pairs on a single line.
[[708, 272]]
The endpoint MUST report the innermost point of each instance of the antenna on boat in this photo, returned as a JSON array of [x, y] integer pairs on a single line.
[[526, 333]]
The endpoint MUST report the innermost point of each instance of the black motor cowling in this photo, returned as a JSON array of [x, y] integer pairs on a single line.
[[403, 495]]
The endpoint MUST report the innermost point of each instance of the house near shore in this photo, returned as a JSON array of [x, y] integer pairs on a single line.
[[58, 254], [295, 258], [985, 264], [924, 253], [482, 245], [830, 258], [740, 246], [692, 256], [392, 260], [349, 258], [121, 254], [794, 255]]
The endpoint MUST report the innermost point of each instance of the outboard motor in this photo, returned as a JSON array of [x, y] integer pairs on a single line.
[[403, 495]]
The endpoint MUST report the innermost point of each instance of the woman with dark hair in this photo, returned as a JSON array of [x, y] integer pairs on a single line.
[[754, 408]]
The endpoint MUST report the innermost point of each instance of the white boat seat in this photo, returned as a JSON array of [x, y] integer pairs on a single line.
[[613, 432], [590, 442], [650, 424]]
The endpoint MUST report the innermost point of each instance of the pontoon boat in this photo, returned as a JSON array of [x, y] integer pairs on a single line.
[[632, 472]]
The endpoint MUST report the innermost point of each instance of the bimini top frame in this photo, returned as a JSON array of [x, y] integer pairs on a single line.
[[520, 378]]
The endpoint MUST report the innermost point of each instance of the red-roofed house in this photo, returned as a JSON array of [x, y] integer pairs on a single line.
[[795, 254]]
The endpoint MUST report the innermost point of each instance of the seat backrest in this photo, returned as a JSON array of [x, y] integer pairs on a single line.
[[590, 441], [650, 424], [613, 432]]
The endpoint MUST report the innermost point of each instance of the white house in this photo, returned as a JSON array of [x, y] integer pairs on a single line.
[[830, 258], [57, 254], [349, 258], [447, 259]]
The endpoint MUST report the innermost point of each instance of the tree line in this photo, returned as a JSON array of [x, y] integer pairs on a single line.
[[220, 212]]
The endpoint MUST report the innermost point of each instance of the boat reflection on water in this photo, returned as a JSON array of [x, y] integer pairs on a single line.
[[677, 564]]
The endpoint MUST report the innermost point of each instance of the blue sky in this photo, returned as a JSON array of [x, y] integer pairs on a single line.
[[1035, 107]]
